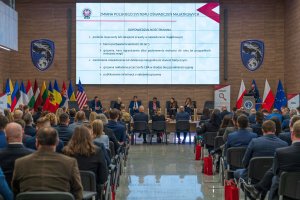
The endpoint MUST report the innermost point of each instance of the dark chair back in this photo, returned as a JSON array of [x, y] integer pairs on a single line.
[[112, 104], [112, 149], [158, 125], [140, 126], [289, 185], [194, 104], [209, 104], [219, 141], [88, 180], [45, 196], [183, 125], [168, 104], [235, 156], [258, 166], [209, 138]]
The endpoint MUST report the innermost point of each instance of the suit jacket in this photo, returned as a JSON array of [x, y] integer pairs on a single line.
[[3, 142], [110, 133], [96, 104], [279, 116], [118, 129], [257, 129], [131, 105], [159, 118], [47, 171], [8, 157], [30, 143], [286, 136], [4, 189], [141, 117], [252, 118], [29, 130], [182, 116], [150, 106], [285, 126], [36, 116], [95, 163], [64, 132], [262, 146]]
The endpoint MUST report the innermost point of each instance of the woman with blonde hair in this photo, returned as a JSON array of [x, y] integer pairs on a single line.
[[59, 111], [9, 115], [99, 135], [89, 157], [52, 118], [92, 117]]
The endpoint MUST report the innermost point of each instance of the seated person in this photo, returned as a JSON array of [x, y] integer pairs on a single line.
[[226, 122], [14, 150], [285, 160], [118, 103], [286, 136], [142, 117], [29, 129], [153, 106], [182, 116], [89, 157], [96, 105], [38, 114], [4, 189], [285, 126], [98, 134], [18, 114], [72, 114], [87, 111], [158, 117], [172, 108], [278, 125], [118, 128], [189, 106], [64, 131], [252, 116], [275, 113], [3, 123], [212, 125], [46, 162], [260, 147], [259, 118], [79, 119], [224, 112], [125, 116], [134, 105]]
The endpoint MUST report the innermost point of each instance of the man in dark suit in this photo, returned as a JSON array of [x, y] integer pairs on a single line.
[[259, 118], [3, 123], [64, 131], [182, 116], [154, 105], [38, 114], [224, 112], [259, 147], [142, 117], [29, 129], [286, 159], [46, 170], [134, 105], [118, 128], [14, 150], [286, 136], [96, 105], [242, 137]]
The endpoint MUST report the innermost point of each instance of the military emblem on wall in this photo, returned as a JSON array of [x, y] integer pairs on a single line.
[[42, 53], [252, 54]]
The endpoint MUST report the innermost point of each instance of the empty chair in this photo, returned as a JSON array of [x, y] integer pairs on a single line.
[[183, 126], [234, 159], [88, 180], [45, 196], [158, 127], [139, 127], [289, 185], [218, 142]]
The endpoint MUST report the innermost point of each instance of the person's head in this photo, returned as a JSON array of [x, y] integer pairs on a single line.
[[28, 119], [158, 112], [223, 108], [252, 86], [103, 118], [92, 116], [154, 99], [278, 125], [97, 128], [47, 138], [293, 120], [39, 108], [119, 100], [81, 143], [188, 100], [52, 118], [85, 107], [96, 98], [14, 132], [268, 127], [3, 122], [80, 116], [122, 107], [259, 117], [59, 111], [25, 109], [18, 114], [42, 122], [295, 134], [226, 122], [64, 108], [172, 99], [114, 114], [292, 112], [181, 109], [9, 115], [141, 109], [252, 111], [275, 110], [135, 98], [64, 119], [215, 118], [72, 112], [21, 122], [44, 113], [242, 121]]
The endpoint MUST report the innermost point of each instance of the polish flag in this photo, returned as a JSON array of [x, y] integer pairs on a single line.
[[242, 92], [268, 99]]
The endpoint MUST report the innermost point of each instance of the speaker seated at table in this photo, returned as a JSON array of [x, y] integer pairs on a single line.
[[153, 106], [171, 107], [134, 105], [96, 105]]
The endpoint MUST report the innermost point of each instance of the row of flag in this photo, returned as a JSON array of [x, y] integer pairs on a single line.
[[51, 97], [268, 101]]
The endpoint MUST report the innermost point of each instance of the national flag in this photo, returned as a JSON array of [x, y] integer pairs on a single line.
[[81, 95], [23, 100], [280, 99], [56, 94], [44, 92], [37, 96], [15, 96], [268, 98], [3, 102], [242, 92], [71, 94], [257, 96], [64, 95], [30, 94], [8, 90], [50, 102]]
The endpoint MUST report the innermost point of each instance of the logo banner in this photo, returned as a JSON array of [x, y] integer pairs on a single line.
[[222, 96], [293, 101], [42, 53], [252, 54]]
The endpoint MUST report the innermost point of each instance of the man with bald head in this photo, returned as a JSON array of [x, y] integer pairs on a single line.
[[14, 150], [141, 117]]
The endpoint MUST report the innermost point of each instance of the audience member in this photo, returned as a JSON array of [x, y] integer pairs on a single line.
[[118, 129], [285, 126], [42, 173], [14, 150], [4, 189], [72, 114], [285, 112], [25, 109], [252, 116], [182, 116], [275, 113], [125, 116], [8, 115], [3, 123], [278, 125], [64, 131], [92, 117], [58, 112], [205, 116], [79, 118], [286, 136], [259, 147], [259, 118], [226, 122], [172, 108], [141, 116], [29, 129], [21, 122], [38, 114], [211, 125], [134, 105], [224, 112], [18, 114], [158, 117], [52, 118], [99, 135]]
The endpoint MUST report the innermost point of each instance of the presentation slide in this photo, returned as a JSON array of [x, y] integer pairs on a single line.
[[147, 43]]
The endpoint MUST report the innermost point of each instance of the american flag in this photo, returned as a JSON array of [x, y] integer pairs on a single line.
[[81, 95]]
